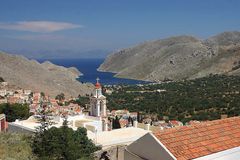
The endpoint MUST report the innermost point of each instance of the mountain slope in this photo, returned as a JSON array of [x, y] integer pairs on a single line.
[[45, 77], [182, 57]]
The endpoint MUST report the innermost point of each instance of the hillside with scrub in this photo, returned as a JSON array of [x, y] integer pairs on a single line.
[[15, 147], [201, 99]]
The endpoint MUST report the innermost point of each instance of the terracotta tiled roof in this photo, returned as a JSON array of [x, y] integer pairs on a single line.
[[189, 142], [174, 122]]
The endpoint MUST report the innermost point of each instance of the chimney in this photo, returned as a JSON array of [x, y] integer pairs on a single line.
[[105, 126], [147, 127], [135, 124]]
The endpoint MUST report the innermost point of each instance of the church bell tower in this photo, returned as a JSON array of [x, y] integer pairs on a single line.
[[98, 102]]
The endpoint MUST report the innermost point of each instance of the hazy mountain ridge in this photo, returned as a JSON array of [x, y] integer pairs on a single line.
[[41, 77], [181, 57]]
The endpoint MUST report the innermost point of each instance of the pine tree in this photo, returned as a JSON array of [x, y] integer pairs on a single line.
[[63, 143], [116, 123], [40, 141]]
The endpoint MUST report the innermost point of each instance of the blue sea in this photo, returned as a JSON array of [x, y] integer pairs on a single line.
[[89, 69]]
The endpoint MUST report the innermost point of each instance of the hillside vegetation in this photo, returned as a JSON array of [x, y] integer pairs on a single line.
[[200, 99], [15, 147], [177, 58]]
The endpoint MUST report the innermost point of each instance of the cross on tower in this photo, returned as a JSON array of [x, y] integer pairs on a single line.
[[97, 79]]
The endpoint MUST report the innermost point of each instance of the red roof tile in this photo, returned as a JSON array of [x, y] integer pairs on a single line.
[[189, 142]]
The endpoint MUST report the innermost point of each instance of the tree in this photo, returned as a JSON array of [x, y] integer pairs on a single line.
[[63, 143], [42, 94], [81, 101], [130, 121], [60, 97], [116, 123], [40, 142], [15, 111], [1, 79]]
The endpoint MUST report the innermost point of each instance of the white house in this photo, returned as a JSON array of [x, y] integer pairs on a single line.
[[3, 92]]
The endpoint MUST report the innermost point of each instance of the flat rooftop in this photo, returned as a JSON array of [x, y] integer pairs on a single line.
[[32, 123], [117, 136], [105, 139], [79, 123]]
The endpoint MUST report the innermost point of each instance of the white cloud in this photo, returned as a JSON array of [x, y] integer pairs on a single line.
[[39, 26]]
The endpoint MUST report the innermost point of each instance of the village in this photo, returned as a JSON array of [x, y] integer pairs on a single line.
[[59, 106], [109, 129], [115, 130]]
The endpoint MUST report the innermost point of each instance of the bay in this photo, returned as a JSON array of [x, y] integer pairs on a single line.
[[89, 69]]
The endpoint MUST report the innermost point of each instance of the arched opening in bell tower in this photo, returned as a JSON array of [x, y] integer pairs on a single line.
[[101, 108]]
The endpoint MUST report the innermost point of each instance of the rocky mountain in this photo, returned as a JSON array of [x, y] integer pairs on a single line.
[[41, 77], [176, 58]]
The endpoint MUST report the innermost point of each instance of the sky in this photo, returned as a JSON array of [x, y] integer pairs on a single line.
[[95, 28]]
